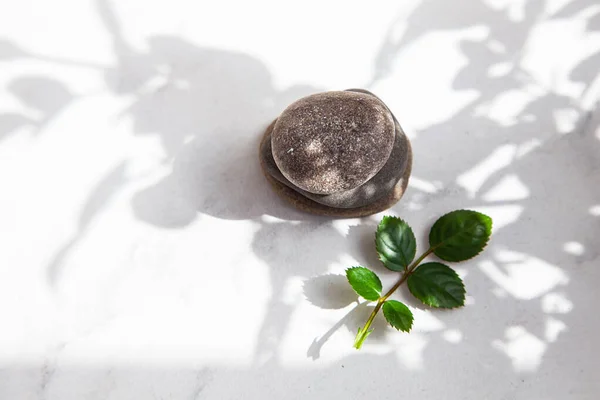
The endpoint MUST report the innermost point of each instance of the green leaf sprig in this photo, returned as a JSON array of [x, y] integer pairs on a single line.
[[456, 236]]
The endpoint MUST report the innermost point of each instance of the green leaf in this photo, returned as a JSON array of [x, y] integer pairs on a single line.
[[398, 315], [437, 285], [460, 235], [395, 242], [364, 282]]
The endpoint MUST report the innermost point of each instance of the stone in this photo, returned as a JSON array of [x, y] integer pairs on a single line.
[[373, 195], [378, 186], [332, 142]]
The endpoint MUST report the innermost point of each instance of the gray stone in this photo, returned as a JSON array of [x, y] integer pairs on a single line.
[[380, 185], [332, 142]]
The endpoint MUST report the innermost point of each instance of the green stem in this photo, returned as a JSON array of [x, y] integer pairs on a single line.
[[364, 332]]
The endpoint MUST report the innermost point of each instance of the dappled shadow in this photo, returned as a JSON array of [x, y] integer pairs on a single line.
[[508, 153], [520, 166], [329, 291], [44, 97], [352, 321], [99, 197], [505, 151], [207, 107]]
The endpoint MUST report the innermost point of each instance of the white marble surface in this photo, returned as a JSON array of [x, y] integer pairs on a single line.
[[143, 255]]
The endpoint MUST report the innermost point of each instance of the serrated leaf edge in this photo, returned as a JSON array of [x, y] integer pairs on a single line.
[[412, 321], [376, 276], [474, 255], [462, 284], [379, 256]]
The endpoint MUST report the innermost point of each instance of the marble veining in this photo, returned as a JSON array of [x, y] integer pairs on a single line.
[[143, 255]]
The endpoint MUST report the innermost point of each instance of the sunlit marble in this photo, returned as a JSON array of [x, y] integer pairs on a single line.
[[144, 256]]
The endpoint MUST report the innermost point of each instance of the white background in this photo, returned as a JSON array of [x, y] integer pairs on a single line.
[[144, 256]]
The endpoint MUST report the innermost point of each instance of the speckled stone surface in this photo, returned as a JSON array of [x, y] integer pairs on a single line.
[[332, 142], [378, 186], [375, 195]]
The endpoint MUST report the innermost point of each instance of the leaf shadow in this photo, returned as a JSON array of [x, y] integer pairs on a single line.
[[352, 321], [330, 292], [362, 237]]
